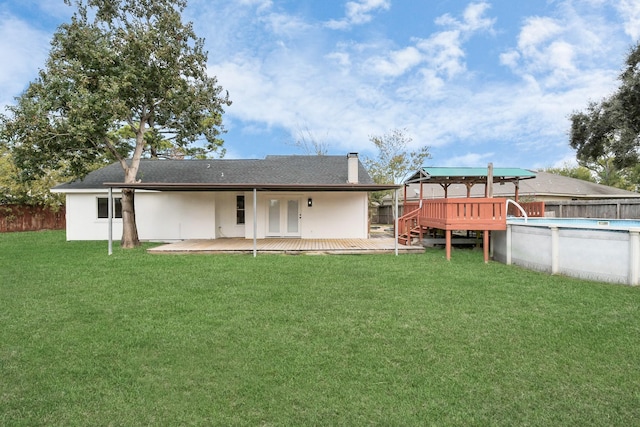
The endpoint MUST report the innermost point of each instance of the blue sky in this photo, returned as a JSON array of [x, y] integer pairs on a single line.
[[477, 81]]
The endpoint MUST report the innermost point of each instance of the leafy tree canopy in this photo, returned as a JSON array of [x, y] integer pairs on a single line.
[[393, 161], [124, 76], [14, 190], [611, 128], [578, 172]]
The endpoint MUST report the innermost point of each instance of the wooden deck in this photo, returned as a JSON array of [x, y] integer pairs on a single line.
[[375, 245]]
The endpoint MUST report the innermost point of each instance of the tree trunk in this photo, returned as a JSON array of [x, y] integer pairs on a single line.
[[129, 228]]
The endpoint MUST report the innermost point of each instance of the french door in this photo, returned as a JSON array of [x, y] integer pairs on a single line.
[[283, 217]]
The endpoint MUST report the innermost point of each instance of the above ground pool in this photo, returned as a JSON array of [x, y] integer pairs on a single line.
[[605, 250], [613, 224]]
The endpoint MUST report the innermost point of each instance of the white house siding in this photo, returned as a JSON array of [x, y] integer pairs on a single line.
[[82, 218], [162, 216], [333, 215], [170, 216], [226, 214]]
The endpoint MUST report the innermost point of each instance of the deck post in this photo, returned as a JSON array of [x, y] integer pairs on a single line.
[[255, 222], [447, 240], [485, 245], [488, 189]]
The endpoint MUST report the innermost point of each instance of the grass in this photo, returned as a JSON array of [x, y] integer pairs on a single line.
[[139, 339]]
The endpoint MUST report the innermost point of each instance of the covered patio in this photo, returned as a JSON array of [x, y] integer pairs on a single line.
[[375, 245]]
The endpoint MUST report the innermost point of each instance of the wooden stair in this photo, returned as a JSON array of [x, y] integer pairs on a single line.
[[412, 236]]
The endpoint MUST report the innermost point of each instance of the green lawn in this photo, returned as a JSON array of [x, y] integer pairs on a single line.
[[139, 339]]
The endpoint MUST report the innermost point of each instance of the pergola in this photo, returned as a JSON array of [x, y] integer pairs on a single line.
[[469, 177]]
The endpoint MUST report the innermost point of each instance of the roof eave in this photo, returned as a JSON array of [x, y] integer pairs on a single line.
[[249, 187]]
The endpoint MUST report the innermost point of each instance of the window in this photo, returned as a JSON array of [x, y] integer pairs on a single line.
[[103, 207], [239, 209]]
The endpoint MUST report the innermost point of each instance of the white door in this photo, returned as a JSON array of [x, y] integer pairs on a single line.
[[284, 218]]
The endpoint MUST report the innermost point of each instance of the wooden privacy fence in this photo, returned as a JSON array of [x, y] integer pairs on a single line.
[[609, 209], [30, 218]]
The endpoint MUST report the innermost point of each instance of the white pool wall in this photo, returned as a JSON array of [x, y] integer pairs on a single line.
[[597, 253]]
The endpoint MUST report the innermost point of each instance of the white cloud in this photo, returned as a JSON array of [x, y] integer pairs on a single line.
[[358, 13], [630, 12], [444, 50], [341, 58], [469, 160], [397, 63], [558, 51], [473, 19], [24, 50], [535, 32], [444, 53]]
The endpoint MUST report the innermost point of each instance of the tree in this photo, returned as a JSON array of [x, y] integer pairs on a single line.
[[309, 144], [118, 64], [14, 190], [393, 161], [612, 127], [608, 173], [578, 172]]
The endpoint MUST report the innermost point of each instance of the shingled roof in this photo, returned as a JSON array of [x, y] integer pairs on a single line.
[[319, 173]]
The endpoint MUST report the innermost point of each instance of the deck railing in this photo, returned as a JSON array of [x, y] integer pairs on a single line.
[[533, 209], [408, 221], [464, 214]]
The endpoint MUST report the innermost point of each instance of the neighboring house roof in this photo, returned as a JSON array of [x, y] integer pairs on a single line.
[[313, 173], [544, 185], [548, 184]]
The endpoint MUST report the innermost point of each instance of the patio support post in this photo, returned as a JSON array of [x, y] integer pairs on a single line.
[[396, 222], [110, 215], [255, 222]]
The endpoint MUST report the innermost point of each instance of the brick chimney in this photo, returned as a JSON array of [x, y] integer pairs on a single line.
[[352, 168]]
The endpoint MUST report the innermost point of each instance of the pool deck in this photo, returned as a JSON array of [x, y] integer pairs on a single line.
[[374, 245]]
